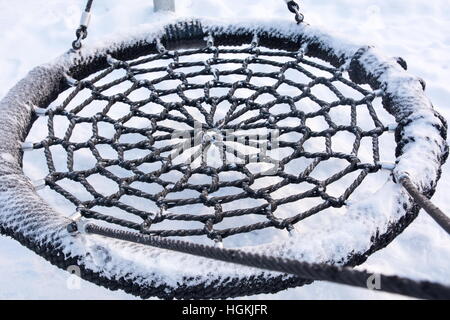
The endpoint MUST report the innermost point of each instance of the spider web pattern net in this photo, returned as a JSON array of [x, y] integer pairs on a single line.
[[211, 142]]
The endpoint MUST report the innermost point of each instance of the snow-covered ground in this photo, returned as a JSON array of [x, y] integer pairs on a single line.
[[35, 31]]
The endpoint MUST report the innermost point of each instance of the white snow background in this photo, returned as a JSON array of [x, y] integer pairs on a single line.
[[36, 31]]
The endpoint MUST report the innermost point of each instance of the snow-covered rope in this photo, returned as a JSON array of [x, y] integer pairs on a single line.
[[319, 272], [409, 287]]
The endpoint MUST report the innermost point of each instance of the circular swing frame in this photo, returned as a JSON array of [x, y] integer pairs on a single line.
[[27, 218]]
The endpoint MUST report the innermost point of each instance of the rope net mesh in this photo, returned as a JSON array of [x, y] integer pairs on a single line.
[[211, 143]]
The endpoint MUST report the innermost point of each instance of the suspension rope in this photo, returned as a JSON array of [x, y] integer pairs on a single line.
[[315, 272], [89, 5], [440, 217]]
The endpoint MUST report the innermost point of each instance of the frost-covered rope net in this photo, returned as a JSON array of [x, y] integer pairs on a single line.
[[237, 142], [207, 143]]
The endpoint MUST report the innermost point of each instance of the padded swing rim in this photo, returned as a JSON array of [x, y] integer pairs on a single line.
[[32, 222]]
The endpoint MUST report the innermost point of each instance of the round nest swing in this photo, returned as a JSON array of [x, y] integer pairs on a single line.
[[246, 136]]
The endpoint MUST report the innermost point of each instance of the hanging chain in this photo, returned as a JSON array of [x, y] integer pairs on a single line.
[[82, 31], [295, 8]]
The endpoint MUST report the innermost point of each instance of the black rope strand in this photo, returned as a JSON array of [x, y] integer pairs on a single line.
[[320, 272], [89, 5], [440, 217]]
